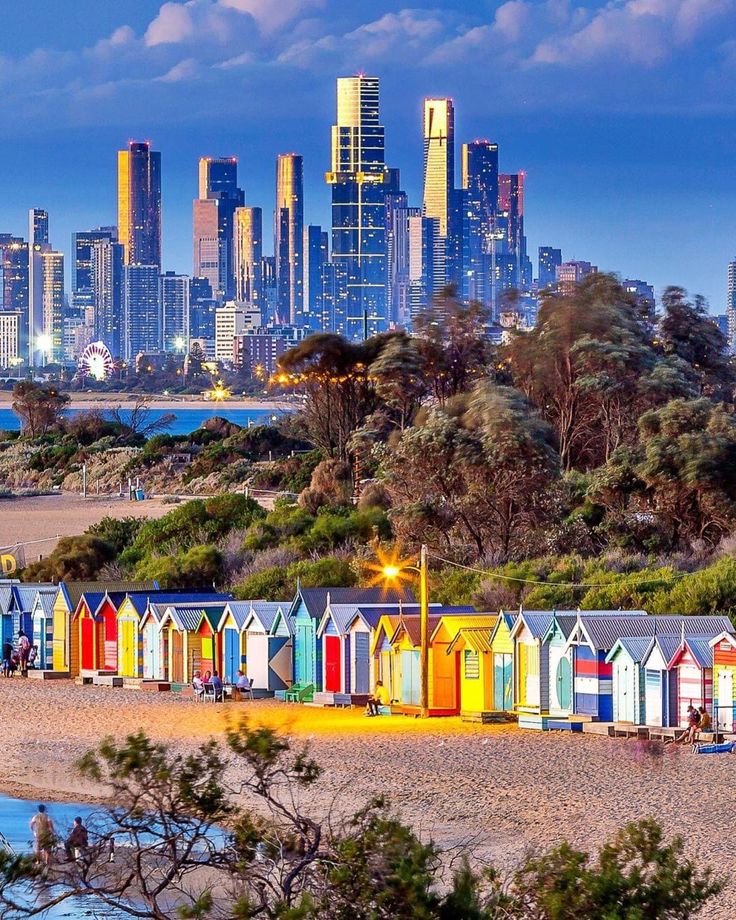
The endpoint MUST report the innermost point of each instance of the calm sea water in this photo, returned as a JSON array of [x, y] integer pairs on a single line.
[[14, 817], [186, 420]]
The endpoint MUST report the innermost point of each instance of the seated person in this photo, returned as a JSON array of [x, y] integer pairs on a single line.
[[198, 685], [216, 684], [705, 724], [378, 699], [693, 721], [242, 685]]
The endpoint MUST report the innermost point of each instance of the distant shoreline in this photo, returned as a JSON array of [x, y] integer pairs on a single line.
[[158, 401]]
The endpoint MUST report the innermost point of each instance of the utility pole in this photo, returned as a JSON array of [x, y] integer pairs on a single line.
[[424, 634]]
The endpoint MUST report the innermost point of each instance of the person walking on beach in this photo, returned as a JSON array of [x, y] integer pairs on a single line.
[[42, 828], [75, 845]]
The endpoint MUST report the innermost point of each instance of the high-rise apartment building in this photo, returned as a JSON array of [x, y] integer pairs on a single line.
[[231, 320], [142, 321], [214, 223], [139, 204], [550, 260], [288, 232], [48, 338], [572, 273], [174, 295], [10, 354], [397, 258], [83, 288], [202, 305], [38, 226], [643, 292], [510, 224], [360, 182], [316, 254], [107, 261], [425, 246], [479, 205], [14, 293], [249, 256]]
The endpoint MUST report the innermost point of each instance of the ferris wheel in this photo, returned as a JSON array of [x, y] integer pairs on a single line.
[[96, 361]]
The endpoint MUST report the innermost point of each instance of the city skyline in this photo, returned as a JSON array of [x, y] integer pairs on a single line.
[[592, 190]]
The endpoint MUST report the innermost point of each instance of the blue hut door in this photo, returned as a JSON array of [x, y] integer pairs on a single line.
[[232, 655], [410, 678], [503, 690], [7, 628], [362, 663]]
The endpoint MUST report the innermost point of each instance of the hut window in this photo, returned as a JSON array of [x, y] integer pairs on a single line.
[[472, 665]]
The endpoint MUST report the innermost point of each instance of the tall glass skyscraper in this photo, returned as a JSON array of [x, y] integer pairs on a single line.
[[249, 256], [360, 183], [550, 260], [480, 201], [174, 295], [139, 204], [316, 254], [14, 270], [214, 223], [83, 287], [288, 232]]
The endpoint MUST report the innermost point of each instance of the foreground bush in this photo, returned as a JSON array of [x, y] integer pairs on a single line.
[[277, 860]]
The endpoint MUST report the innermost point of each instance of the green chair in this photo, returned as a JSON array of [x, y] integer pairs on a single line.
[[300, 693]]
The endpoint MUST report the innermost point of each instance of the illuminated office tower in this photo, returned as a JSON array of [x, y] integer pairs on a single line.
[[139, 203], [10, 353], [441, 201], [249, 256], [142, 323], [268, 275], [549, 261], [570, 274], [83, 286], [424, 247], [479, 161], [510, 223], [214, 223], [174, 296], [38, 226], [288, 247], [48, 337], [360, 183], [202, 305], [14, 271], [397, 257], [316, 254], [107, 261]]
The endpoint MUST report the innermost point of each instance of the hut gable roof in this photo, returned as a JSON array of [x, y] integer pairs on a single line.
[[699, 648], [315, 600], [667, 646], [725, 636], [536, 621], [141, 599], [44, 602], [285, 617], [266, 611], [6, 593], [602, 633], [636, 647], [188, 617], [23, 596], [73, 590]]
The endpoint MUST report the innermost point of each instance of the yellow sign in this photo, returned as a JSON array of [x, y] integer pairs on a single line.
[[8, 564]]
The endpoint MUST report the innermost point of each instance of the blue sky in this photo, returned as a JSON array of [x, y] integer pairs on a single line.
[[621, 112]]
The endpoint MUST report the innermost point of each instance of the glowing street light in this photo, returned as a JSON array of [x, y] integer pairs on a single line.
[[44, 343], [392, 570], [179, 343]]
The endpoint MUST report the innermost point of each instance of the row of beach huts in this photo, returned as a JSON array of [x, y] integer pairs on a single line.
[[550, 669]]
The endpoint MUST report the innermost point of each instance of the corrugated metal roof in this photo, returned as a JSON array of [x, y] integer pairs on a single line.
[[75, 589], [700, 649], [536, 621], [24, 595], [668, 645], [266, 611], [605, 631], [189, 616], [636, 646], [45, 602], [372, 613], [141, 599]]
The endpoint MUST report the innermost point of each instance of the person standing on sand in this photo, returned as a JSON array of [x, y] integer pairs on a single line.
[[7, 658], [24, 650], [42, 828]]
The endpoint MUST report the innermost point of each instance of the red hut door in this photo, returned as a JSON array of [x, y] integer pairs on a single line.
[[332, 664], [110, 626], [87, 638]]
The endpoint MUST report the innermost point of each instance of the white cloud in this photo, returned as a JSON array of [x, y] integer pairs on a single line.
[[184, 70], [273, 15], [172, 25]]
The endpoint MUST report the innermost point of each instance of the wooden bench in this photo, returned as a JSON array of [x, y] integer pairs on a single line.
[[299, 693]]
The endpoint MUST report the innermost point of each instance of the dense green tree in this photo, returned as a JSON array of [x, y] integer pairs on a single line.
[[73, 559], [472, 474], [196, 567], [400, 378]]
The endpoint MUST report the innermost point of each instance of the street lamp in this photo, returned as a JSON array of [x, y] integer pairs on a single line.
[[391, 571], [44, 342]]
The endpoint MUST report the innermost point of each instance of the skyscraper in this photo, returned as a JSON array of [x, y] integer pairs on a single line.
[[288, 231], [107, 287], [441, 201], [397, 258], [316, 254], [14, 270], [572, 273], [731, 305], [139, 203], [549, 261], [202, 306], [83, 288], [425, 245], [214, 223], [480, 201], [142, 323], [38, 226], [249, 256], [48, 339], [174, 295], [360, 183]]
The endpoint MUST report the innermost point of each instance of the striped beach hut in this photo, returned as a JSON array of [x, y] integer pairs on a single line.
[[6, 613], [268, 656], [723, 649], [21, 606], [692, 665], [42, 616]]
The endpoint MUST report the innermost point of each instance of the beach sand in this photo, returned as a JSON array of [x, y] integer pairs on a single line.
[[505, 789], [46, 517], [111, 400]]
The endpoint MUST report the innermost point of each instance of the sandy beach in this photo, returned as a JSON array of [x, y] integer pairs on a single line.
[[508, 790], [111, 400], [47, 517]]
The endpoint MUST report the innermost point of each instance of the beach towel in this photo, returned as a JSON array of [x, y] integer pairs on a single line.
[[725, 748]]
